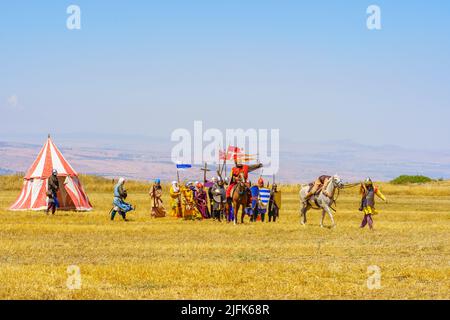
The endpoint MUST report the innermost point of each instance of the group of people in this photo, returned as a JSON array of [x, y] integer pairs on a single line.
[[193, 201], [212, 200]]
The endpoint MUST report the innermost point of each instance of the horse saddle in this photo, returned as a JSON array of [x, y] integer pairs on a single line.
[[311, 185], [233, 190]]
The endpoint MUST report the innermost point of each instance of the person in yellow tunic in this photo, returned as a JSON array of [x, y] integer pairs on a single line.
[[175, 200], [189, 209], [368, 192]]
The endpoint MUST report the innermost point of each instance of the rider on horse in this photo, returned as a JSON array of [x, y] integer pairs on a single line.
[[320, 183], [240, 171]]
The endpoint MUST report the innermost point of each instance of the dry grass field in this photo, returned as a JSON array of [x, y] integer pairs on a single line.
[[174, 259]]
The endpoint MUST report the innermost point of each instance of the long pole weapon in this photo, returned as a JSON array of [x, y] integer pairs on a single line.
[[224, 166], [179, 193]]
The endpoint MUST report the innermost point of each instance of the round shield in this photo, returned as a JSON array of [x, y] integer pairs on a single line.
[[219, 195], [255, 196], [264, 196], [277, 199]]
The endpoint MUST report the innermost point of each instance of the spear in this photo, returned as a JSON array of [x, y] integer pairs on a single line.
[[179, 193]]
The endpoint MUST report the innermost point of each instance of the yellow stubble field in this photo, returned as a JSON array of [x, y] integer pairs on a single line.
[[167, 258]]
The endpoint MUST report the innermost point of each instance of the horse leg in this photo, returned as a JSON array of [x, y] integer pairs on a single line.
[[243, 211], [321, 219], [235, 212], [303, 211], [328, 210], [228, 207]]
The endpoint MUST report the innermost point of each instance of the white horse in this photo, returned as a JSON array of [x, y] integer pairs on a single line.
[[322, 201]]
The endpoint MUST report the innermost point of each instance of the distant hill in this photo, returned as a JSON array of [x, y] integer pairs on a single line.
[[299, 161], [5, 171]]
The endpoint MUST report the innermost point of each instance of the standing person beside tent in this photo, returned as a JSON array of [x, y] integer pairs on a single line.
[[158, 210], [35, 190], [52, 191], [175, 200], [120, 206]]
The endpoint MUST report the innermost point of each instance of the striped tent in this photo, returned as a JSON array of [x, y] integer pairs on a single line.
[[71, 195]]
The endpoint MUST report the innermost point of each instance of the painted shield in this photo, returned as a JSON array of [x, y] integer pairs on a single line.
[[219, 195], [264, 197], [255, 196]]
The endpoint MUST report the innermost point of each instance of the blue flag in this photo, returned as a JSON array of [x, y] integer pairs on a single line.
[[183, 166]]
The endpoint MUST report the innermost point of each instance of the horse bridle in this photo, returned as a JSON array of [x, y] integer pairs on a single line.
[[336, 186]]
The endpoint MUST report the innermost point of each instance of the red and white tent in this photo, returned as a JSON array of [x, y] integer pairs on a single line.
[[71, 195]]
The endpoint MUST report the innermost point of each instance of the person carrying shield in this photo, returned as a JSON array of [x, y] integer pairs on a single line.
[[210, 195], [219, 197], [255, 205], [274, 203]]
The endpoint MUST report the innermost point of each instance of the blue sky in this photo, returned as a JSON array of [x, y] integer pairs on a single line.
[[148, 67]]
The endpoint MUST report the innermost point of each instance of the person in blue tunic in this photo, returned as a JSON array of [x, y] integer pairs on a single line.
[[120, 206]]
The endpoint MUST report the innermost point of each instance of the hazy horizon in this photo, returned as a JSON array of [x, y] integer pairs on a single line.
[[144, 159]]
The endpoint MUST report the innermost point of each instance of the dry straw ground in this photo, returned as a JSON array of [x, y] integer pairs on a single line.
[[173, 259]]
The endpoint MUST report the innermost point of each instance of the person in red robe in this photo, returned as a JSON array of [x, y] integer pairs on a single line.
[[238, 171]]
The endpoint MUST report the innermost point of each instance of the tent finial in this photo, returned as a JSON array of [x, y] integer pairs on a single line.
[[49, 135]]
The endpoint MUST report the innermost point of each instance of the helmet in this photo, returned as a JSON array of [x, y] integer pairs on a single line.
[[54, 172], [157, 181], [260, 182], [199, 185], [368, 182], [214, 179]]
